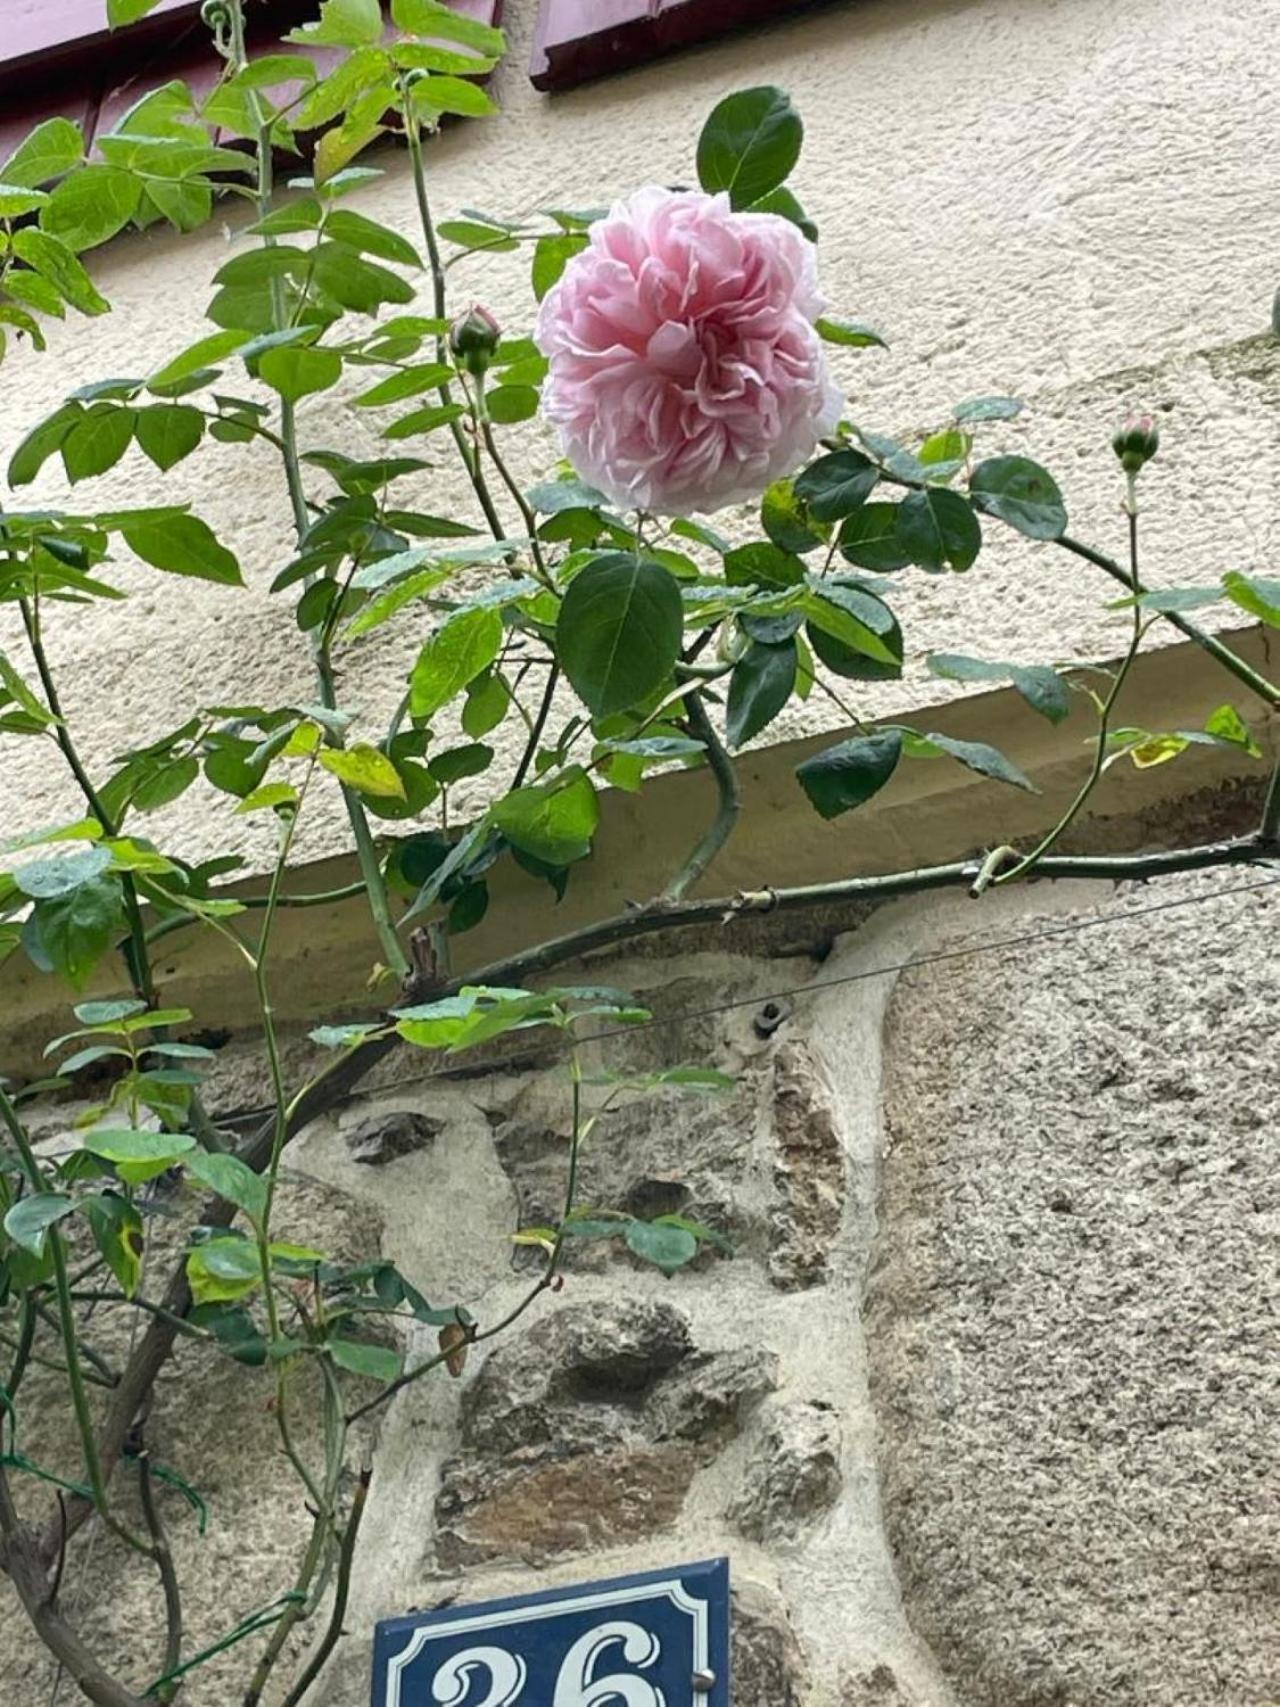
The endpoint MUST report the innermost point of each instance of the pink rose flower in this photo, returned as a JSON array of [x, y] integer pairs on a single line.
[[685, 370]]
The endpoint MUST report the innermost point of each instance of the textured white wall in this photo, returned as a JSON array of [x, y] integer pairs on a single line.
[[1066, 199]]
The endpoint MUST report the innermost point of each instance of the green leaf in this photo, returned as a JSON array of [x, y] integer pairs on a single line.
[[45, 879], [1042, 688], [14, 200], [407, 382], [91, 205], [869, 539], [939, 530], [987, 761], [551, 255], [472, 234], [1260, 597], [852, 333], [1226, 724], [554, 822], [223, 1270], [121, 12], [761, 565], [665, 1245], [138, 1156], [342, 23], [847, 775], [461, 647], [364, 768], [619, 629], [28, 1222], [441, 93], [855, 618], [117, 1232], [837, 485], [357, 1357], [298, 370], [52, 148], [430, 18], [166, 432], [41, 442], [988, 409], [1018, 491], [97, 441], [507, 404], [107, 1013], [488, 701], [1173, 599], [268, 797], [424, 421], [171, 779], [230, 1178], [370, 237], [196, 358], [761, 685], [786, 519], [180, 545], [749, 145], [22, 696]]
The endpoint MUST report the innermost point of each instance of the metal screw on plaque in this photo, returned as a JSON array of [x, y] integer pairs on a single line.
[[704, 1682]]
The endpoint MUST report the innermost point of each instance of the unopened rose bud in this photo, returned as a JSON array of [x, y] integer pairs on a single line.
[[473, 338], [1136, 442]]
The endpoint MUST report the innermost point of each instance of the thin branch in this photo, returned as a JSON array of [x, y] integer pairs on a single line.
[[163, 1559], [342, 1592], [537, 726], [1269, 828], [1207, 642]]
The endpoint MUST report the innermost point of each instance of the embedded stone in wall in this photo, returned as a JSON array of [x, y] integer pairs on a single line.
[[809, 1170], [588, 1431], [387, 1136], [878, 1687], [792, 1475], [657, 1156], [769, 1667]]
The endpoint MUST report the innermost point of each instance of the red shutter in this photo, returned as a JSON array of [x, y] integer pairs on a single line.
[[576, 40]]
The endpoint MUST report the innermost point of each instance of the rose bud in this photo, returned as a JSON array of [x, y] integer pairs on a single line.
[[1136, 442], [473, 338]]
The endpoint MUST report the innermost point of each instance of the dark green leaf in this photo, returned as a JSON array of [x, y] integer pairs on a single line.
[[28, 1222], [471, 234], [784, 204], [370, 237], [357, 1357], [117, 1232], [138, 1156], [749, 145], [759, 688], [1021, 493], [618, 633], [408, 382], [987, 761], [468, 908], [786, 519], [1042, 688], [97, 441], [488, 700], [56, 263], [41, 442], [181, 545], [869, 539], [166, 432], [554, 822], [665, 1245], [938, 529], [761, 565], [849, 774], [230, 1178], [837, 485]]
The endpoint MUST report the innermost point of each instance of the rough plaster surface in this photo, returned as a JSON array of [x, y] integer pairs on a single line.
[[1088, 227], [1074, 1319]]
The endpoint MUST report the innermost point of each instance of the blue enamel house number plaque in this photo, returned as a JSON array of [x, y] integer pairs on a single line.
[[658, 1640]]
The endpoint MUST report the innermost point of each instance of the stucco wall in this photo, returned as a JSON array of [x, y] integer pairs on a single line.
[[1064, 199]]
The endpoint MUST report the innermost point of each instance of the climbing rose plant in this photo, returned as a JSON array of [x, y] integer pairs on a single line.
[[680, 349]]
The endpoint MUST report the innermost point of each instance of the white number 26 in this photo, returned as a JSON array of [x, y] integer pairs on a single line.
[[578, 1684]]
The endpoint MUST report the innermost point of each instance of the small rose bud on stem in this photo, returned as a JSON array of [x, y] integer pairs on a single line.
[[1136, 442], [473, 339]]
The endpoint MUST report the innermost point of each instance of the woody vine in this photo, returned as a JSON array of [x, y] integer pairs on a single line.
[[678, 346]]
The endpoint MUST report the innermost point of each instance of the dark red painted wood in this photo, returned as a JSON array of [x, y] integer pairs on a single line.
[[576, 40]]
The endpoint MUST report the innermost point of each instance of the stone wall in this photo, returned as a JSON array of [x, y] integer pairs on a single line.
[[982, 1408]]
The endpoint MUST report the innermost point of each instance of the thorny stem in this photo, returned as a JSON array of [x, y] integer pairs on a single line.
[[729, 803], [470, 454], [1022, 866], [537, 726]]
